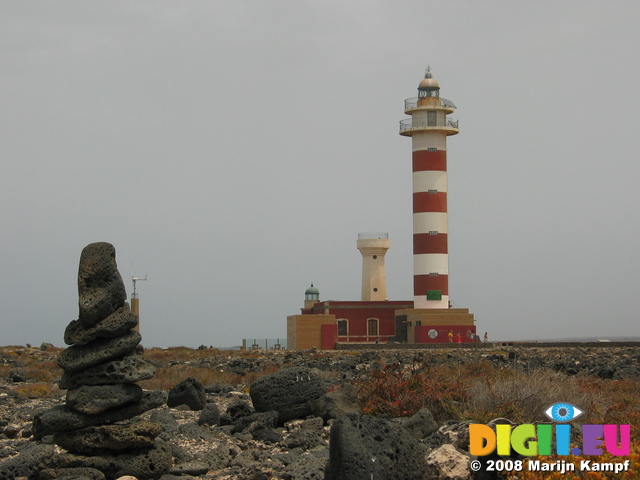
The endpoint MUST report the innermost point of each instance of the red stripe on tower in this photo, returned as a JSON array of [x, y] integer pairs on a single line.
[[429, 243], [426, 282], [429, 160], [430, 202]]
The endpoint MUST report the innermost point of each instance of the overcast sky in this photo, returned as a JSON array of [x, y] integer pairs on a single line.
[[233, 150]]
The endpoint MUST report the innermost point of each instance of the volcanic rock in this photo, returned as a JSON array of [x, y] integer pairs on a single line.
[[421, 424], [17, 376], [147, 463], [118, 323], [32, 457], [105, 438], [362, 447], [94, 399], [126, 370], [62, 418], [100, 286], [308, 436], [71, 474], [266, 419], [189, 392], [236, 410], [210, 415], [336, 403], [291, 392], [82, 357], [448, 462]]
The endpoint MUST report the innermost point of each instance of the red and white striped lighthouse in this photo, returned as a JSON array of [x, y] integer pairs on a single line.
[[429, 128]]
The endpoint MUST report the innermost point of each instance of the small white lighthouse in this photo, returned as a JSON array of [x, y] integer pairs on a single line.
[[373, 247], [429, 128]]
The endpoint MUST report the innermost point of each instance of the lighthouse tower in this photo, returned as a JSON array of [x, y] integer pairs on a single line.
[[373, 247], [429, 128]]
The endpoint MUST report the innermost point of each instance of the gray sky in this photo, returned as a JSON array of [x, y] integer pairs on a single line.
[[233, 150]]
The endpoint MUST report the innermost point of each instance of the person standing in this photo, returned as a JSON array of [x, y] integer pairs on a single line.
[[486, 337]]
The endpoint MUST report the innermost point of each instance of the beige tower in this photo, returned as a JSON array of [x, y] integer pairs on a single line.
[[135, 301], [373, 247]]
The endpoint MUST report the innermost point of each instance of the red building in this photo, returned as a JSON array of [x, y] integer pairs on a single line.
[[361, 322]]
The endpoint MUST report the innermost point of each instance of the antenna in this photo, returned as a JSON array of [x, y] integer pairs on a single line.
[[136, 279]]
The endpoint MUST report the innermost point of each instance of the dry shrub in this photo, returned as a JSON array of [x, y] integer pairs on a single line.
[[179, 354], [38, 390], [167, 377], [480, 368], [34, 368], [522, 397], [44, 373], [617, 401], [399, 391]]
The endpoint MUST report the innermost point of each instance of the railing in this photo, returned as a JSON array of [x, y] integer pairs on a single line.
[[364, 338], [411, 103], [264, 344], [408, 124]]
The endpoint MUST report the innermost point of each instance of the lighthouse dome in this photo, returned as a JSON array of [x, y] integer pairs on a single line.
[[312, 291], [428, 83]]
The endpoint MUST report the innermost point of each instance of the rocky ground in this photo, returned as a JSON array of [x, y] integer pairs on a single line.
[[261, 431]]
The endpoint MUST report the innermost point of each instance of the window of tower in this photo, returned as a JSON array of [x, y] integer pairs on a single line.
[[434, 93]]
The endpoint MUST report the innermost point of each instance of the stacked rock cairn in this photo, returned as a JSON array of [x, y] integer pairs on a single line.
[[97, 425]]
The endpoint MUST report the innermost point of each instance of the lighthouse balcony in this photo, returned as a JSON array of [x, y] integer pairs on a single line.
[[448, 126], [428, 103]]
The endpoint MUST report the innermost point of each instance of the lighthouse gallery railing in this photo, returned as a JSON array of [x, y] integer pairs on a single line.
[[409, 124]]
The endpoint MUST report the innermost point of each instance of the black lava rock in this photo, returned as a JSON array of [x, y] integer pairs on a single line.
[[291, 392], [362, 447], [189, 392]]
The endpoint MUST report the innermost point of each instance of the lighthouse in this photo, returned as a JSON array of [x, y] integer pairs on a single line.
[[429, 127], [428, 317], [373, 247]]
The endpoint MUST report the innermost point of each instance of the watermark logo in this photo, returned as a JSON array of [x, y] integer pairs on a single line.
[[528, 439], [549, 439]]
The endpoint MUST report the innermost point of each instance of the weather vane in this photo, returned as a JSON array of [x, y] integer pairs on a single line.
[[135, 279]]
